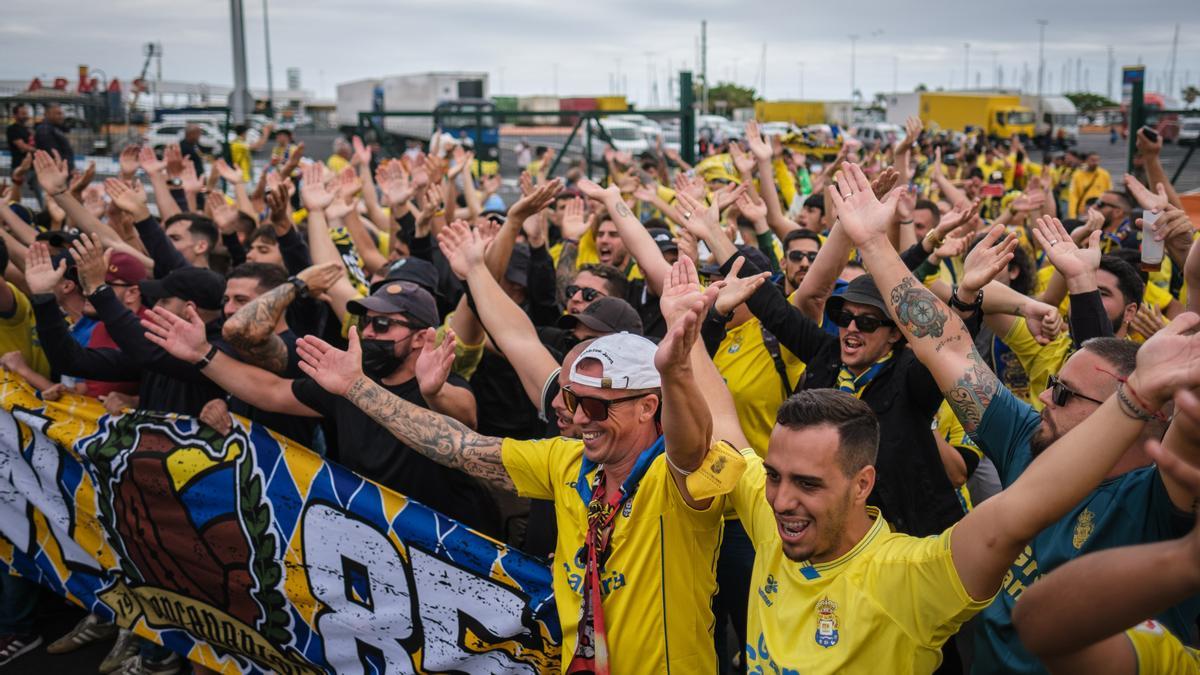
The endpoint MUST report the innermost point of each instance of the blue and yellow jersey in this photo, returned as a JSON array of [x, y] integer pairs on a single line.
[[18, 333], [660, 577], [751, 376], [892, 601]]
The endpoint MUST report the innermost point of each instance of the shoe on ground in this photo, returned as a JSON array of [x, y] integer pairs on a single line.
[[136, 665], [88, 630], [13, 647], [124, 647]]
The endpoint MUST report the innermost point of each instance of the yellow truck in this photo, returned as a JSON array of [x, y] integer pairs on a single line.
[[800, 113], [998, 115]]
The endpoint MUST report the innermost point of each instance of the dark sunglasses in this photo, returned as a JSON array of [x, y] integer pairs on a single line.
[[865, 323], [797, 256], [589, 294], [383, 324], [595, 408], [1060, 393]]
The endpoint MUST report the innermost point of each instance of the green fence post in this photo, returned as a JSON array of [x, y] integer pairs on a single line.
[[687, 118], [587, 147], [1134, 77]]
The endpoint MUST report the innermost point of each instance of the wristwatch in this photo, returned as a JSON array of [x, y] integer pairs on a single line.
[[301, 286], [963, 306]]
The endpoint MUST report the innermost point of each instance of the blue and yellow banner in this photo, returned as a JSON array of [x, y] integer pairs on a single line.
[[249, 553]]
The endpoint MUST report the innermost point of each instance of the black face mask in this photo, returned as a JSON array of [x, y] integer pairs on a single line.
[[379, 358]]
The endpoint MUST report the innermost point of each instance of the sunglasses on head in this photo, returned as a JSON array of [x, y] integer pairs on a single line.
[[1060, 393], [383, 324], [595, 408], [865, 322], [589, 294], [797, 256]]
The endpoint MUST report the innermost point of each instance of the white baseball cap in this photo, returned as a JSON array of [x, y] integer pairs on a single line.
[[626, 360]]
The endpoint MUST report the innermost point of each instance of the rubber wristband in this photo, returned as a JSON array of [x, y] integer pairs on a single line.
[[212, 353]]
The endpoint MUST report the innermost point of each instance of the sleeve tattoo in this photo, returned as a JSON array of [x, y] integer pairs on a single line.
[[442, 439], [251, 330], [972, 392], [918, 309]]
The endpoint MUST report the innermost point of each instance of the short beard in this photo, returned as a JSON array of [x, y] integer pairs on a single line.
[[1044, 437]]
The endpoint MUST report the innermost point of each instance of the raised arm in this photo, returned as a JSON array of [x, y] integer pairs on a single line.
[[52, 175], [763, 155], [635, 236], [438, 437]]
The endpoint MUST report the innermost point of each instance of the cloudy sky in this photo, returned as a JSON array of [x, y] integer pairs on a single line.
[[595, 48]]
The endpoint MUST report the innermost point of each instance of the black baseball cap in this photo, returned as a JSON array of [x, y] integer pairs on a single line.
[[518, 265], [861, 290], [204, 288], [662, 237], [58, 238], [416, 270], [607, 315], [399, 297]]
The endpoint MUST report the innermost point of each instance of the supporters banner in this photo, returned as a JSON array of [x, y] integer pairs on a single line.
[[248, 553]]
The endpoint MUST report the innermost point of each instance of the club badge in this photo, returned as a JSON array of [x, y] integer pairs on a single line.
[[827, 623]]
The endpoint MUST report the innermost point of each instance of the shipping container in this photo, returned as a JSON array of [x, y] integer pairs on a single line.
[[612, 103], [535, 104], [420, 91]]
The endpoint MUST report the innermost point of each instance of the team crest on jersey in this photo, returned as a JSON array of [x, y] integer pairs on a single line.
[[1083, 528], [827, 623]]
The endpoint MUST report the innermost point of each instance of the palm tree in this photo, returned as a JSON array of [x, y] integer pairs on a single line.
[[1190, 94]]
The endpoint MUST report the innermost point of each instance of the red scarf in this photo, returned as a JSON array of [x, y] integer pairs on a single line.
[[591, 644]]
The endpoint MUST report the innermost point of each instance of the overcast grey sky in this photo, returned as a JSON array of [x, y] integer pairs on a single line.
[[519, 41]]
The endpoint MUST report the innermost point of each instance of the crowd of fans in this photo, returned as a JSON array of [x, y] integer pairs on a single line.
[[844, 414]]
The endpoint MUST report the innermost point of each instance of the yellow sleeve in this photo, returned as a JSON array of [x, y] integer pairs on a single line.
[[533, 465], [466, 357], [18, 333], [1039, 361], [588, 255], [749, 500], [1073, 197], [923, 589], [1159, 651], [785, 181]]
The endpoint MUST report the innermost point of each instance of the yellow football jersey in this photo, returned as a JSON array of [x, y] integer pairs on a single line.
[[1158, 651], [888, 605], [18, 333], [754, 381], [660, 577], [1039, 361]]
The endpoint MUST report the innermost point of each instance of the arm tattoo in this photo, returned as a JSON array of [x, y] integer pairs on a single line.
[[251, 330], [917, 309], [442, 439], [972, 392], [271, 355], [623, 210]]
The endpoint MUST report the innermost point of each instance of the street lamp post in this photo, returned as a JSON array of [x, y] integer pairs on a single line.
[[1041, 69], [853, 88]]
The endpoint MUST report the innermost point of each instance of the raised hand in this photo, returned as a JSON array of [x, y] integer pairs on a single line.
[[1175, 223], [51, 172], [1168, 362], [189, 181], [130, 198], [863, 216], [754, 140], [702, 220], [728, 195], [21, 170], [313, 193], [989, 258], [573, 223], [737, 290], [1043, 320], [40, 274], [463, 247], [754, 211], [1148, 200], [884, 182], [277, 202], [348, 184], [321, 277], [91, 261], [693, 186], [173, 156], [1070, 260], [433, 363], [362, 153], [332, 368], [743, 162], [224, 214], [128, 161], [230, 174], [83, 179], [1147, 147], [150, 162], [183, 338], [682, 291], [394, 181], [535, 201]]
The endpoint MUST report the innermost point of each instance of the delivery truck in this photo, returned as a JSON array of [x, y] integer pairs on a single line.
[[453, 99], [997, 115], [1058, 123]]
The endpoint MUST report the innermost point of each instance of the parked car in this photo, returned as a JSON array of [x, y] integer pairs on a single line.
[[162, 134], [1189, 131], [886, 134], [650, 128], [626, 137]]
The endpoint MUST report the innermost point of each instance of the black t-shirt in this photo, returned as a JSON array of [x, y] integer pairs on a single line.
[[373, 452], [18, 132], [504, 409], [192, 152], [299, 429]]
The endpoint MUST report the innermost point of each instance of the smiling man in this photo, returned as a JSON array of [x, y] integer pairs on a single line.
[[634, 565]]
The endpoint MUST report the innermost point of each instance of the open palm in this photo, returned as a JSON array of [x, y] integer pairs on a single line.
[[332, 368], [864, 217]]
